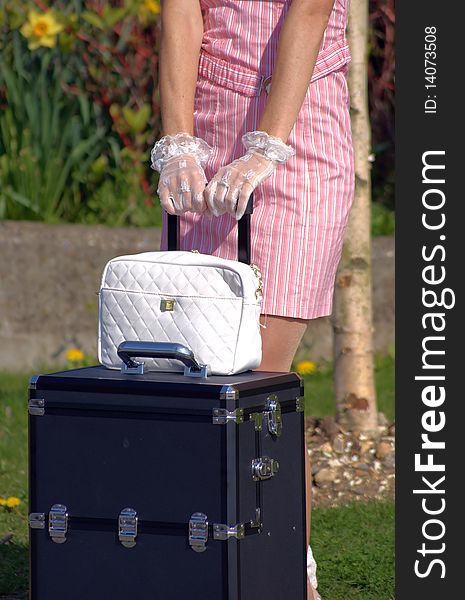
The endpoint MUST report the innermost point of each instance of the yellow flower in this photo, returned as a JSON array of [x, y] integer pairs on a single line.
[[41, 29], [152, 6], [306, 367], [148, 10], [2, 501], [11, 502], [74, 355]]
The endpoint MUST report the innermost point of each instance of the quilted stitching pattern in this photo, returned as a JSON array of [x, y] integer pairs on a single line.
[[126, 316], [152, 271], [162, 278], [210, 316]]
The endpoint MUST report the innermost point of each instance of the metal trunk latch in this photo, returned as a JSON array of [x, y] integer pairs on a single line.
[[37, 520], [198, 532], [273, 415], [264, 468], [36, 406], [58, 523], [224, 532], [127, 527], [221, 416]]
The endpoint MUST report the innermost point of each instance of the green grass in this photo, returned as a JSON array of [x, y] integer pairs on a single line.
[[319, 399], [354, 550], [383, 220], [13, 482], [353, 545]]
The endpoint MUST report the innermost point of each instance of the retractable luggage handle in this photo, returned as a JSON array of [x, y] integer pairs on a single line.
[[243, 233], [127, 350]]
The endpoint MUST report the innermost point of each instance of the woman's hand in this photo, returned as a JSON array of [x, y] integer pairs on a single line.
[[229, 190], [181, 185], [180, 160]]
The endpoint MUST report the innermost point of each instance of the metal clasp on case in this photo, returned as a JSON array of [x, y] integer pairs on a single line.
[[198, 532], [37, 406], [221, 416], [225, 532], [273, 415], [127, 527], [264, 468], [58, 523], [37, 520]]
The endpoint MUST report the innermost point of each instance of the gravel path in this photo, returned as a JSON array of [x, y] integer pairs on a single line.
[[350, 467]]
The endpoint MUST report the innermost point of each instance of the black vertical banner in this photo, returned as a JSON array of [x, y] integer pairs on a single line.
[[430, 258]]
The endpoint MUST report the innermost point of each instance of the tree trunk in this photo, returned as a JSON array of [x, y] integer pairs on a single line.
[[353, 312]]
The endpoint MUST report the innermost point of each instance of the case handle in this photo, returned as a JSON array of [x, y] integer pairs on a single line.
[[127, 350], [243, 233]]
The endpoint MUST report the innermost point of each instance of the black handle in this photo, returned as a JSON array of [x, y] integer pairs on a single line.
[[129, 349], [243, 233]]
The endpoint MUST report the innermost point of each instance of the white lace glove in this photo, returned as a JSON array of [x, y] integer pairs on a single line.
[[230, 188], [311, 572], [180, 160]]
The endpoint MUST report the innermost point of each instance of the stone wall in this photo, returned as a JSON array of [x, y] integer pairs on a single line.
[[50, 275]]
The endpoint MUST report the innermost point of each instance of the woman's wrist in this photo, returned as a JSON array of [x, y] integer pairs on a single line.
[[271, 146], [177, 145], [274, 124]]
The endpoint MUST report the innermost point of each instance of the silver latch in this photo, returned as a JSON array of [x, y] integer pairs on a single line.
[[257, 522], [58, 523], [136, 368], [221, 416], [273, 415], [36, 406], [257, 418], [37, 520], [224, 532], [299, 403], [198, 532], [127, 527], [264, 468]]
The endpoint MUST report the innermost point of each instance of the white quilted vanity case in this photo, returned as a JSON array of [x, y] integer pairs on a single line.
[[209, 305]]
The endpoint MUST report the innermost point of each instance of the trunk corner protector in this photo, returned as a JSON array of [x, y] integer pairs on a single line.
[[299, 377], [229, 393], [33, 382]]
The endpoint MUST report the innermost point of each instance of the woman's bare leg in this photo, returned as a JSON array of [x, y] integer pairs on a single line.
[[280, 341]]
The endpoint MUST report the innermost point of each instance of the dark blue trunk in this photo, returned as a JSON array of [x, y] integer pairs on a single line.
[[107, 441]]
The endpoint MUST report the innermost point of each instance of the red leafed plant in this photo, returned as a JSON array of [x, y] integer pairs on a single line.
[[119, 63], [381, 81]]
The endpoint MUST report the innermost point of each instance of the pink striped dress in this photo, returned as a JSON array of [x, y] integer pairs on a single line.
[[301, 211]]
